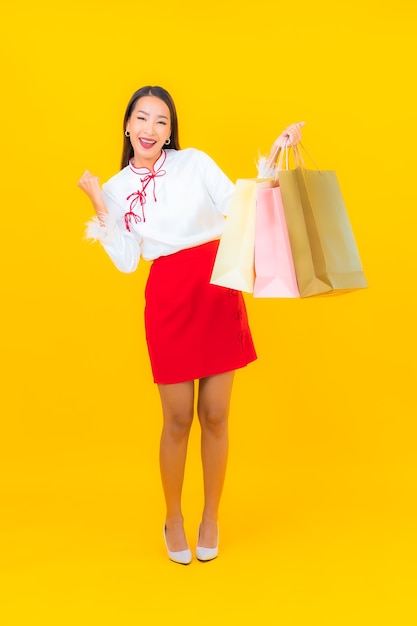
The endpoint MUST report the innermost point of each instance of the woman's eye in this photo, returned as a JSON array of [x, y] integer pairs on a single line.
[[141, 118]]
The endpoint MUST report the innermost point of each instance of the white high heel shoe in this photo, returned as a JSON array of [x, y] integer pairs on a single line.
[[184, 557], [207, 554]]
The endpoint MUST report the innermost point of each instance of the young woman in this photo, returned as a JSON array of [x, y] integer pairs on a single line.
[[168, 205]]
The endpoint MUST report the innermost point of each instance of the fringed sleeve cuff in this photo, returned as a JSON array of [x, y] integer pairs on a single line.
[[265, 169], [101, 229]]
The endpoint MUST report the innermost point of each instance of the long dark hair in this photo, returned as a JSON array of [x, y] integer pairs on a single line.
[[163, 95]]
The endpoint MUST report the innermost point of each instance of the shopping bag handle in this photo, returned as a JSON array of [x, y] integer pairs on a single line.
[[298, 157], [270, 167], [307, 153]]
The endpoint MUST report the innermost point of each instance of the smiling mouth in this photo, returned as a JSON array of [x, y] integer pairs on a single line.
[[146, 143]]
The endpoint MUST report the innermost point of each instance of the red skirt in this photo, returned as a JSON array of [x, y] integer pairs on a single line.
[[193, 329]]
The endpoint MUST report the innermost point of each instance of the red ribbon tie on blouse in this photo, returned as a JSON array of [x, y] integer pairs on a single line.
[[139, 196]]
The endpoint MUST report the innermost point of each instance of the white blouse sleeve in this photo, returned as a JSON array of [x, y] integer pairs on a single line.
[[218, 185], [122, 246]]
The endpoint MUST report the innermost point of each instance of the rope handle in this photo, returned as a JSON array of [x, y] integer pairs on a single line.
[[280, 153]]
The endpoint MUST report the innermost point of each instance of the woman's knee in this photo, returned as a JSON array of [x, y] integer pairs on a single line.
[[213, 402], [178, 423], [178, 408], [213, 420]]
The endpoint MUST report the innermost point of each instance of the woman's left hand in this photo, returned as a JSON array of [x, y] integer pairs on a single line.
[[291, 136]]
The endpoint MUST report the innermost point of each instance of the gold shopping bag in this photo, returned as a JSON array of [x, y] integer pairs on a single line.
[[325, 253]]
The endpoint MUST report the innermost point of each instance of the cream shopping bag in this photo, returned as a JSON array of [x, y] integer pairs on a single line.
[[234, 263]]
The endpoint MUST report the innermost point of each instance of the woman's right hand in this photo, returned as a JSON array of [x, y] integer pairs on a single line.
[[90, 184]]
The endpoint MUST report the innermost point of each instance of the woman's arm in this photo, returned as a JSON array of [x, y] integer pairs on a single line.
[[122, 247]]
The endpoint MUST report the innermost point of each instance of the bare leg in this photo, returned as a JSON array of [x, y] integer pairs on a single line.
[[178, 409], [213, 411]]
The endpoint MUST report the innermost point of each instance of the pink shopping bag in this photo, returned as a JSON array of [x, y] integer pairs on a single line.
[[274, 267]]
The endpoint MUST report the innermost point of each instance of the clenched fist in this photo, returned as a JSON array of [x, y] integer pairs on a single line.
[[90, 184]]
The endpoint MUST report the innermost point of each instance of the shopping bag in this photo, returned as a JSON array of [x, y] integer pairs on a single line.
[[325, 254], [234, 263], [274, 266]]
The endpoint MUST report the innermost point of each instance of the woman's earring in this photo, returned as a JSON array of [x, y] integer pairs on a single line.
[[168, 141], [127, 134]]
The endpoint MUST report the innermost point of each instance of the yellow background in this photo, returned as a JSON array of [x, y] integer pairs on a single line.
[[318, 520]]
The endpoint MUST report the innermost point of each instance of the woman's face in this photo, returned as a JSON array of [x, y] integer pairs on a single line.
[[149, 127]]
